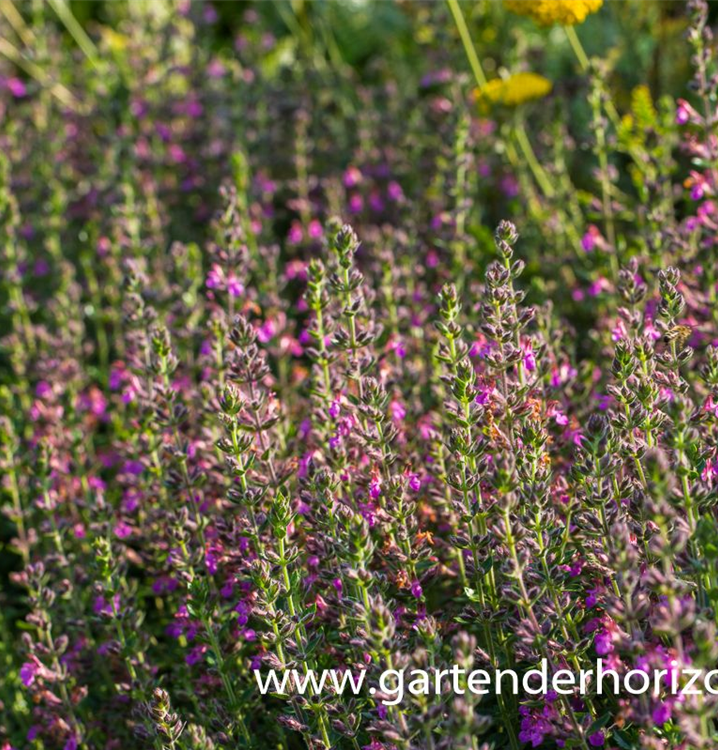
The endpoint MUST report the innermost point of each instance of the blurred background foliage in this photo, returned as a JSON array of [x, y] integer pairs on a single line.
[[638, 37]]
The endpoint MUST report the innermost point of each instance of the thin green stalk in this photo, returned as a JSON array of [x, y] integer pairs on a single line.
[[76, 31], [463, 29], [537, 170], [584, 63]]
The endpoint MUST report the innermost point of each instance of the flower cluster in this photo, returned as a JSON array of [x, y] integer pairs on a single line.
[[550, 12], [514, 90]]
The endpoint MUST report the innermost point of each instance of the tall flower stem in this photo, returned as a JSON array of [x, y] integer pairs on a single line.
[[463, 30], [537, 170], [585, 64], [577, 47]]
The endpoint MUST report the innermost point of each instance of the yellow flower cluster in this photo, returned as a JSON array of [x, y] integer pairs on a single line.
[[515, 90], [549, 12]]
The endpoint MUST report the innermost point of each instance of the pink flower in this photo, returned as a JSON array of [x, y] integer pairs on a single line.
[[619, 331], [356, 203], [399, 348], [215, 69], [685, 113], [698, 184], [314, 230], [217, 278], [234, 286], [266, 331], [591, 238], [352, 177], [397, 411], [122, 530], [296, 234], [16, 87], [562, 374], [600, 285], [710, 471], [394, 191]]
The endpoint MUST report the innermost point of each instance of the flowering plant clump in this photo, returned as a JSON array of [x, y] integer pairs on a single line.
[[312, 366]]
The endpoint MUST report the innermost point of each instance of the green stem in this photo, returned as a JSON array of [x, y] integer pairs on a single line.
[[577, 47], [463, 29], [536, 169], [584, 63]]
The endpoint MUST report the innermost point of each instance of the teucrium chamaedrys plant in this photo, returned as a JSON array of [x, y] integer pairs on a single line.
[[239, 433]]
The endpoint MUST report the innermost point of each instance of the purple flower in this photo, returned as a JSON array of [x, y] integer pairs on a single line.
[[591, 238], [195, 655], [603, 643], [211, 560], [28, 671], [596, 739], [534, 727], [102, 606], [134, 467], [243, 610], [661, 713], [529, 358]]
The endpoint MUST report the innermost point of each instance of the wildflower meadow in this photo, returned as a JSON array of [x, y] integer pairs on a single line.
[[370, 336]]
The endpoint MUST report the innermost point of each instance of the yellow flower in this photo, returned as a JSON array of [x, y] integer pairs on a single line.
[[515, 90], [115, 41], [549, 12]]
